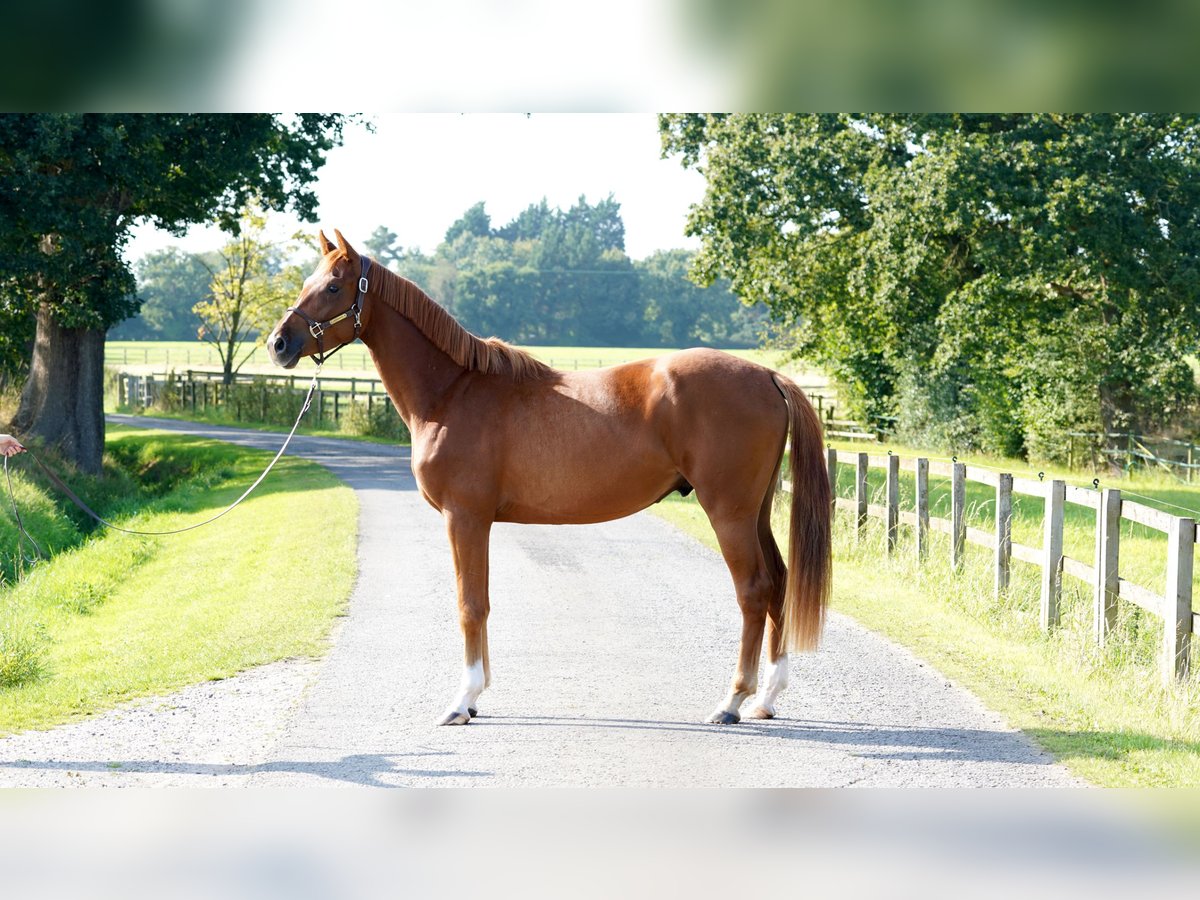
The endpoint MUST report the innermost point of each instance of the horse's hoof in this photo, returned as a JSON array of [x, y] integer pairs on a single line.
[[721, 717], [454, 717], [473, 711], [761, 712]]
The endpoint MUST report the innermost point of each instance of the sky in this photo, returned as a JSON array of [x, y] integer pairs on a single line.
[[418, 173]]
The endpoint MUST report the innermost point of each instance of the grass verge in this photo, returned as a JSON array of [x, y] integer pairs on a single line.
[[1103, 714], [113, 616]]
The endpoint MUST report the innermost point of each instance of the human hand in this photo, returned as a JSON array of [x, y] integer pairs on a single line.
[[9, 445]]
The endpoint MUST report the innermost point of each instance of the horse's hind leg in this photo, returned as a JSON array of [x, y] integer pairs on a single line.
[[469, 536], [777, 659], [753, 582]]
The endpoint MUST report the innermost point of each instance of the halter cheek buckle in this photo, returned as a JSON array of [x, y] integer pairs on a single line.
[[315, 329]]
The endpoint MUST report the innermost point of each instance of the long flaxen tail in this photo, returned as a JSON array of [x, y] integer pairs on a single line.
[[810, 554]]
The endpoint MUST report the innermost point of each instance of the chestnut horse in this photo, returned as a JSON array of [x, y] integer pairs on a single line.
[[497, 436]]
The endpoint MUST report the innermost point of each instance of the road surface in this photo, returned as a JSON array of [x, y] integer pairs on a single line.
[[610, 645]]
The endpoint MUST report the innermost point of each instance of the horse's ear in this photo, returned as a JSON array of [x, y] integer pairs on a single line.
[[323, 243], [344, 245]]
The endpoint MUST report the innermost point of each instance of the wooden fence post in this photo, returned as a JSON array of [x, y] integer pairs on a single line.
[[860, 496], [831, 467], [1003, 532], [1108, 546], [922, 509], [958, 522], [1177, 612], [893, 502], [1052, 544]]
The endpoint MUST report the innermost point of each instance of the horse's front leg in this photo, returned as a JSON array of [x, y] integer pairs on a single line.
[[469, 537]]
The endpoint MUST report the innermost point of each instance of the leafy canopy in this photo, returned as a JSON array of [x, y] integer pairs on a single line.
[[992, 279], [71, 186]]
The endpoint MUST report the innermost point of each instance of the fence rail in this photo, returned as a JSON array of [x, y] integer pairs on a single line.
[[201, 388], [1173, 607]]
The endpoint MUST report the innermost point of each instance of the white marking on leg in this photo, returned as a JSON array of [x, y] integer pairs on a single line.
[[469, 689], [777, 680]]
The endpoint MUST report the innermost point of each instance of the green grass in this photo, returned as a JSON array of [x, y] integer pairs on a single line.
[[1104, 713], [113, 616]]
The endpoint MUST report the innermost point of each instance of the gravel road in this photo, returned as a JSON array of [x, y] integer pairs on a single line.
[[610, 645]]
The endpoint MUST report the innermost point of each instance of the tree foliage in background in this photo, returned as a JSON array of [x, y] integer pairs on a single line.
[[170, 283], [382, 247], [249, 288], [562, 277], [549, 277], [71, 187], [993, 280]]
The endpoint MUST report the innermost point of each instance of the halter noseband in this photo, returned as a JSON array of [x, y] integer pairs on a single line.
[[318, 329]]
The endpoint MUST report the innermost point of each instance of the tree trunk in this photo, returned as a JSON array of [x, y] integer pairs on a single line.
[[63, 400]]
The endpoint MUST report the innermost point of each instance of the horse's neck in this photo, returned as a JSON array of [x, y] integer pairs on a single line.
[[415, 373]]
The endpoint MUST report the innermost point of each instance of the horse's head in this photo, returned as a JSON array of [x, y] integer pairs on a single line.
[[328, 313]]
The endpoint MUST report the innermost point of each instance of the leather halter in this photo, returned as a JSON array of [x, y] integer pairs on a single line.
[[318, 329]]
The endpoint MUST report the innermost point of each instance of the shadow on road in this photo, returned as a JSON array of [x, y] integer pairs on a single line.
[[873, 741], [361, 769]]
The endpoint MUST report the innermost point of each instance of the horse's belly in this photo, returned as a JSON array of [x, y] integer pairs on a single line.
[[584, 494]]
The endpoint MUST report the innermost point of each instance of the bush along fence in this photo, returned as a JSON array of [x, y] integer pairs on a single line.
[[354, 405], [1174, 607]]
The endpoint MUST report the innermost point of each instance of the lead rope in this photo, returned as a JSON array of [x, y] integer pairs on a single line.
[[22, 533], [61, 485]]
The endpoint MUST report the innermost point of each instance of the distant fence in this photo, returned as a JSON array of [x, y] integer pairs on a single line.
[[275, 401], [1174, 608], [201, 390], [1179, 459]]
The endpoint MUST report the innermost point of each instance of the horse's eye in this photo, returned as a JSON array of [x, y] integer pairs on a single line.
[[333, 288]]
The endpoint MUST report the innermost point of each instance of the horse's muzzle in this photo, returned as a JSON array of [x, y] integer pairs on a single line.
[[283, 349]]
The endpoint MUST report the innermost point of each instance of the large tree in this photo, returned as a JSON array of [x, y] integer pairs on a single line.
[[995, 279], [71, 187]]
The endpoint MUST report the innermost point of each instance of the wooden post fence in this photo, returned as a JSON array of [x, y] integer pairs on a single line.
[[1173, 607]]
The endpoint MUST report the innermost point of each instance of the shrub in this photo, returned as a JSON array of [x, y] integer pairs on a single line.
[[22, 651], [378, 419]]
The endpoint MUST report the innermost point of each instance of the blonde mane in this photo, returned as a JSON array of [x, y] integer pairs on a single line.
[[491, 356]]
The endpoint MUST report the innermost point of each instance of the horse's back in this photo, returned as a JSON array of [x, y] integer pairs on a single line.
[[711, 389]]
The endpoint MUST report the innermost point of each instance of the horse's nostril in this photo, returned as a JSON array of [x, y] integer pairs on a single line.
[[280, 344]]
